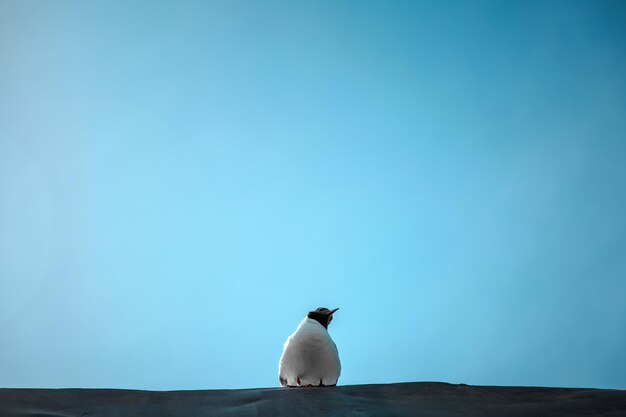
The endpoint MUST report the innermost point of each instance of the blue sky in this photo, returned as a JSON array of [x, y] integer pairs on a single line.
[[180, 182]]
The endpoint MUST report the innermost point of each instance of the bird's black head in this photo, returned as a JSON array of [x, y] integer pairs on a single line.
[[322, 315]]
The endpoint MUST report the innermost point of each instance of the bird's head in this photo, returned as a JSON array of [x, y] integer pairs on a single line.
[[322, 315]]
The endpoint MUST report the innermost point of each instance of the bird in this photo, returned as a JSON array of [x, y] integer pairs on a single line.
[[310, 357]]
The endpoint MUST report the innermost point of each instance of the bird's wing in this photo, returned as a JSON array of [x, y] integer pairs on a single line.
[[282, 380]]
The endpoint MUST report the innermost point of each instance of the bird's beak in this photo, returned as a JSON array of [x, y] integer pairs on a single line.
[[332, 311]]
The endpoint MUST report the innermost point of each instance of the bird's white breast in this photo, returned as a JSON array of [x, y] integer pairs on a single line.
[[310, 356]]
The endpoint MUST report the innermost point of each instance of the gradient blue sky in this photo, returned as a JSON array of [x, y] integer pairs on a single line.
[[180, 182]]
